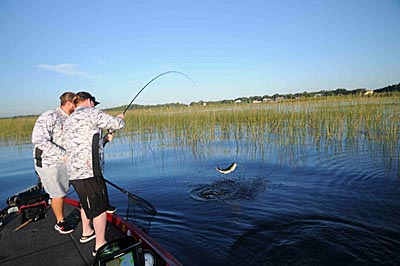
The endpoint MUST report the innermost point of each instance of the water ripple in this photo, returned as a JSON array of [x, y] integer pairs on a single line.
[[316, 240]]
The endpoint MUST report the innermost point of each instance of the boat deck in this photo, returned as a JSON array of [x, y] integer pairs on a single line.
[[38, 243]]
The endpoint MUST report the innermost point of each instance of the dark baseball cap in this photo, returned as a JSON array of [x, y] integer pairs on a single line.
[[87, 95]]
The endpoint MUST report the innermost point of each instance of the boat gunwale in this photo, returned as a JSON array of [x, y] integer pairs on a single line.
[[129, 228]]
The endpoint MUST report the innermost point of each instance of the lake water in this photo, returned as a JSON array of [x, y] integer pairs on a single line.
[[285, 204]]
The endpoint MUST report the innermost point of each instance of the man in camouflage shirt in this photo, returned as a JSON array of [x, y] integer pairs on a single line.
[[49, 156], [85, 160]]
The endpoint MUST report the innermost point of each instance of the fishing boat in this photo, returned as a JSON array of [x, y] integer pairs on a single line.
[[28, 237]]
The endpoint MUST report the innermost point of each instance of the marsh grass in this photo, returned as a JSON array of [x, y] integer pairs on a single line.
[[16, 130], [325, 124], [322, 121], [331, 119]]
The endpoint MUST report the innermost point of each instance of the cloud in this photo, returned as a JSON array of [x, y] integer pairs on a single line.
[[66, 69]]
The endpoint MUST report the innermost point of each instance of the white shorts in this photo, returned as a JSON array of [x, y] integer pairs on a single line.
[[54, 179]]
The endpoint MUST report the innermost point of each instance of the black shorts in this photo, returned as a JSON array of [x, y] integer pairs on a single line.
[[93, 195]]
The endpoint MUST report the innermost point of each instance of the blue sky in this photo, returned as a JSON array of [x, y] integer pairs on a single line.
[[229, 48]]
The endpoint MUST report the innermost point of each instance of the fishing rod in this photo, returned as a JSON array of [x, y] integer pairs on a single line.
[[136, 200], [142, 203], [148, 83]]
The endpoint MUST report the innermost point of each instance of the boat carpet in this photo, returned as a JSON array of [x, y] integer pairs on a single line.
[[38, 243]]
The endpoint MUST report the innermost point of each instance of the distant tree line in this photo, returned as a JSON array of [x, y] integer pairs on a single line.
[[290, 96], [138, 106], [391, 88], [275, 97]]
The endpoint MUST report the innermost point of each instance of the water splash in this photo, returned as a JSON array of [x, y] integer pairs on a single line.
[[230, 189]]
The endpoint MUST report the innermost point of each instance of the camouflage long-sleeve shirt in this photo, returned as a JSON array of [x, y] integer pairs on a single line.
[[83, 141], [47, 136]]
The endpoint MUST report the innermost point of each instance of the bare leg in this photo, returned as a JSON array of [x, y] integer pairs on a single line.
[[100, 223], [86, 228], [57, 204]]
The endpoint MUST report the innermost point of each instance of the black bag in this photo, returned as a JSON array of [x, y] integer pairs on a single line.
[[33, 204]]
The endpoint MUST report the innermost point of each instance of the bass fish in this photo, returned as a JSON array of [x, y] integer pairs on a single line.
[[228, 170]]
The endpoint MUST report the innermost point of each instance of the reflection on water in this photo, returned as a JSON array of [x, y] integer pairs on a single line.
[[304, 202]]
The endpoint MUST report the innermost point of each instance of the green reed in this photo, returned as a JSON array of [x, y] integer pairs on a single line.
[[326, 120], [16, 130], [320, 121]]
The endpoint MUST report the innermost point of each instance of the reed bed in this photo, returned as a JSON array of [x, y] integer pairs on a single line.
[[333, 119], [16, 130], [322, 121]]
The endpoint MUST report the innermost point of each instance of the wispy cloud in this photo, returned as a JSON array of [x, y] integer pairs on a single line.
[[66, 69]]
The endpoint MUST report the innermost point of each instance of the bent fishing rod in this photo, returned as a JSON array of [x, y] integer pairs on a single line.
[[134, 199], [142, 203], [148, 83]]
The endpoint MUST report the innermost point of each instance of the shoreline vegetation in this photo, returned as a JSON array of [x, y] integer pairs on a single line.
[[323, 119]]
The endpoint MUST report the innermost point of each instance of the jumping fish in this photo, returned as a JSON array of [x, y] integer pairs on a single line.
[[230, 168]]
